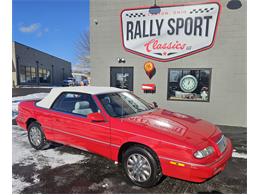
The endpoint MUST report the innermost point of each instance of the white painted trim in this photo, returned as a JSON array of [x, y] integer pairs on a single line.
[[56, 91]]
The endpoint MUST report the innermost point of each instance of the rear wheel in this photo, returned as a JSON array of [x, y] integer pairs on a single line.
[[142, 166], [36, 136]]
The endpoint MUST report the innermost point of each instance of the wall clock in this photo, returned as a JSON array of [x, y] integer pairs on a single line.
[[188, 83]]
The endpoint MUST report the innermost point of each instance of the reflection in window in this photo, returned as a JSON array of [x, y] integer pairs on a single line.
[[189, 84], [28, 75], [122, 80], [33, 74], [44, 75], [22, 74]]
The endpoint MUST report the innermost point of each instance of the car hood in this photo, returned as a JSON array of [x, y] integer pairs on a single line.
[[172, 125]]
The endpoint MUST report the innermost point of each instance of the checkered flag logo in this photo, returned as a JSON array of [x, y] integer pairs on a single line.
[[201, 10], [134, 15]]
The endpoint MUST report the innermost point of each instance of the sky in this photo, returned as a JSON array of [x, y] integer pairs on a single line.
[[52, 26]]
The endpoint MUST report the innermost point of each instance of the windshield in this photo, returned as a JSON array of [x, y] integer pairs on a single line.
[[123, 104]]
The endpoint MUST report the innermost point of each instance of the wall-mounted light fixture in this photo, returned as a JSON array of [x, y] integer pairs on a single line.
[[121, 60], [96, 21], [155, 9], [234, 4]]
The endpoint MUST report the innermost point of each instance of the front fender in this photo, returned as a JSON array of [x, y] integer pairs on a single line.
[[134, 139]]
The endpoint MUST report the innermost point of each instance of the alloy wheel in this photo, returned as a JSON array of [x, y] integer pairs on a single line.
[[35, 136], [138, 167]]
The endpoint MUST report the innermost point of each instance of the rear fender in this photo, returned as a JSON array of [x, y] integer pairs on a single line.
[[25, 113]]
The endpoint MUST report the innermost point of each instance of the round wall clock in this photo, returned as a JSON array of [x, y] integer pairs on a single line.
[[188, 83]]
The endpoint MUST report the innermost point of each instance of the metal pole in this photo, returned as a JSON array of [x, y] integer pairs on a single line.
[[37, 72], [17, 71], [52, 74]]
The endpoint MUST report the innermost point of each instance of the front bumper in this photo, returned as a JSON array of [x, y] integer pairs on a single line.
[[198, 172]]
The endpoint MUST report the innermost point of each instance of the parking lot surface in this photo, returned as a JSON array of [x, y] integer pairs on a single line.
[[62, 169]]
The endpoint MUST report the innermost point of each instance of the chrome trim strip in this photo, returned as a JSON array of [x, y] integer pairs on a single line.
[[222, 137], [114, 145], [88, 138]]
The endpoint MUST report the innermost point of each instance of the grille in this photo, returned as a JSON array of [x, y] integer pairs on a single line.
[[222, 143]]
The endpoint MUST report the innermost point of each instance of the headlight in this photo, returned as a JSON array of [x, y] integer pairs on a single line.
[[204, 153]]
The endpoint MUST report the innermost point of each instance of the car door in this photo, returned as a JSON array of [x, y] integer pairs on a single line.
[[73, 127]]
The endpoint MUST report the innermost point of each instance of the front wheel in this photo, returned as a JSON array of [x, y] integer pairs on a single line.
[[36, 136], [142, 166]]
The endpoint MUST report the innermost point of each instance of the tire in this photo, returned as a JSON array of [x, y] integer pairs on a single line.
[[146, 170], [36, 136]]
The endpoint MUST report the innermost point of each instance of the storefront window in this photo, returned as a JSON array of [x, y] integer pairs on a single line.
[[44, 75], [27, 74], [48, 78], [22, 74], [189, 84], [33, 74]]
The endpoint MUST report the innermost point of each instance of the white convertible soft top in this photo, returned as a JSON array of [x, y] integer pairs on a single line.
[[55, 92]]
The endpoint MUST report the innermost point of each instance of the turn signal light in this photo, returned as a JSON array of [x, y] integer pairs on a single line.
[[177, 164]]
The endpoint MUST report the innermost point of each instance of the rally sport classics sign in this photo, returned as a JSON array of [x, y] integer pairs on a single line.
[[177, 31]]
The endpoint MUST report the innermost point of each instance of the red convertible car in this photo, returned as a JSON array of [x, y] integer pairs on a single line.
[[147, 141]]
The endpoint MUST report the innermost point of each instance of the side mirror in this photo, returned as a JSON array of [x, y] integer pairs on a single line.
[[96, 117], [155, 105]]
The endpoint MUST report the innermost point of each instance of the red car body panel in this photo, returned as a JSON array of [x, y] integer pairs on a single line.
[[174, 137]]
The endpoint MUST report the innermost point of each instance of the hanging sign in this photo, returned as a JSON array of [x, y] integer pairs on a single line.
[[149, 69], [177, 31]]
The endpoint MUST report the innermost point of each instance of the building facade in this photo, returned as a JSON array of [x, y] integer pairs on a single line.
[[31, 67], [207, 80]]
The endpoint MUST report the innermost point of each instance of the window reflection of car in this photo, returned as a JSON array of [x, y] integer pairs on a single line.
[[148, 142], [69, 82], [85, 82]]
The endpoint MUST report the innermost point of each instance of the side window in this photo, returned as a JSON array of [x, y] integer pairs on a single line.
[[75, 103]]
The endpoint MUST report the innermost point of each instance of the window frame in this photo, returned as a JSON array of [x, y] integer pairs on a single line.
[[27, 73], [187, 100], [43, 74], [122, 67], [22, 73], [137, 97], [70, 113]]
